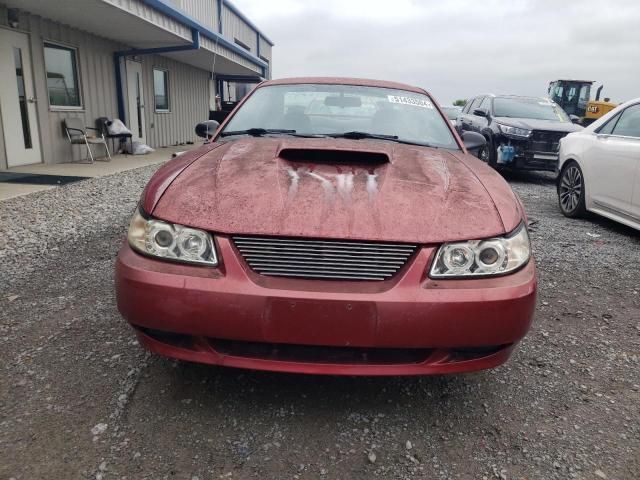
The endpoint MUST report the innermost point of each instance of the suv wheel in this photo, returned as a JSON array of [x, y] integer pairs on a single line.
[[571, 191], [488, 154]]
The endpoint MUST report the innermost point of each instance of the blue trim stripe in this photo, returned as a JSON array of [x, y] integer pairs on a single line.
[[178, 15], [194, 45]]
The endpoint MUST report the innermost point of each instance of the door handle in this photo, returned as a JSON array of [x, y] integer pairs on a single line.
[[32, 100]]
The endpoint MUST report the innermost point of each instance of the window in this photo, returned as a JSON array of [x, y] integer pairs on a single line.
[[629, 123], [467, 105], [485, 104], [607, 128], [242, 44], [63, 83], [161, 89], [475, 104]]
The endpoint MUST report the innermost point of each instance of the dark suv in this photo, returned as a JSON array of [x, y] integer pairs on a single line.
[[521, 132]]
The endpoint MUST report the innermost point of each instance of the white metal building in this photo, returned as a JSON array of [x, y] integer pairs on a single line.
[[155, 64]]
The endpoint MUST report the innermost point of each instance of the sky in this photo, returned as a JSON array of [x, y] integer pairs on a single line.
[[457, 49]]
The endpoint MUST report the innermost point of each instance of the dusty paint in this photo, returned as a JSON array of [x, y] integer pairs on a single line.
[[294, 178], [422, 195], [372, 185]]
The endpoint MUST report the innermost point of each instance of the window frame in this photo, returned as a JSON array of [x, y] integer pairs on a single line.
[[612, 121], [167, 83], [467, 106], [74, 50], [620, 116], [486, 101], [241, 44], [473, 106]]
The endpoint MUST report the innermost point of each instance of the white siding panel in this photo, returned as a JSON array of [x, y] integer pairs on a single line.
[[188, 102], [204, 11], [265, 49], [211, 46], [139, 9], [234, 27]]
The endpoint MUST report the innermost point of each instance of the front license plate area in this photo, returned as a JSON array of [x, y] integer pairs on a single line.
[[314, 322]]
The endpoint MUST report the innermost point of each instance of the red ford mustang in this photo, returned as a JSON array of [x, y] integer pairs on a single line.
[[331, 226]]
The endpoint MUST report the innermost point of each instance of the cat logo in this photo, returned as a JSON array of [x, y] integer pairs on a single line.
[[593, 109]]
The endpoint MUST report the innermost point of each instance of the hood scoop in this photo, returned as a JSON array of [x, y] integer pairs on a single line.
[[333, 156]]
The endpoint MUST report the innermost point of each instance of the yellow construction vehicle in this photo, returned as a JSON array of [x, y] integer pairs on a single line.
[[574, 96]]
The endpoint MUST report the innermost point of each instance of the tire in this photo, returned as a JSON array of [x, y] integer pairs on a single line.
[[571, 191], [488, 154]]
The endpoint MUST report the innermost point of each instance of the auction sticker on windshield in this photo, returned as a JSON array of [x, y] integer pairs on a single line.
[[416, 102]]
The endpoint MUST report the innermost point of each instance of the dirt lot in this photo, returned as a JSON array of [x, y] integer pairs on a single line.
[[80, 399]]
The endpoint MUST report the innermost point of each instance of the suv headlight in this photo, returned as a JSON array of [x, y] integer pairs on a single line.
[[514, 131], [170, 241], [477, 258]]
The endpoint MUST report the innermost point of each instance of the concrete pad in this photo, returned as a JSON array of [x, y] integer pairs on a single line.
[[11, 190], [119, 163]]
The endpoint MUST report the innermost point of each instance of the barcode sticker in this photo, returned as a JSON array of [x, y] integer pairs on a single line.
[[416, 102]]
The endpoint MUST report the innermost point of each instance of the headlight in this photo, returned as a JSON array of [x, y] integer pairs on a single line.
[[476, 258], [514, 131], [171, 242]]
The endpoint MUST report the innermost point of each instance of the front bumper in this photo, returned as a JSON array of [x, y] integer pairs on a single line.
[[234, 317], [530, 154]]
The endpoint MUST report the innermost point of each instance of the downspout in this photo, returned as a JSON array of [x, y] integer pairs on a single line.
[[195, 45]]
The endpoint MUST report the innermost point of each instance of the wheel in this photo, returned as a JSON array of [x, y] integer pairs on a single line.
[[488, 154], [571, 191]]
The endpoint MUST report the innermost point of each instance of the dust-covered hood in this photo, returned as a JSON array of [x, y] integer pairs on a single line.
[[342, 189]]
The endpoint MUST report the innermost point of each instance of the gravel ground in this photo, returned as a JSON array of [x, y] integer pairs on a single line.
[[80, 399]]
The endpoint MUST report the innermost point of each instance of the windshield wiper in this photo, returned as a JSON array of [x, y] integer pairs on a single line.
[[256, 132], [357, 135]]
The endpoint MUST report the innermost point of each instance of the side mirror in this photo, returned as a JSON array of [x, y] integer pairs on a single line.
[[575, 119], [481, 112], [207, 129], [473, 141]]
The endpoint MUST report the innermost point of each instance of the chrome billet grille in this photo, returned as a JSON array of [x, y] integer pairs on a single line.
[[323, 259]]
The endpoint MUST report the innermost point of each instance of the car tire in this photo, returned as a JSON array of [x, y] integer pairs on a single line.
[[571, 191], [488, 154]]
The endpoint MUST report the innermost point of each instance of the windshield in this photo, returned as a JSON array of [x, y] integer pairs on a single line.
[[316, 109], [535, 108]]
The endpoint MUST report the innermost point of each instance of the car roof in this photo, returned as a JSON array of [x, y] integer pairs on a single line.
[[528, 97], [365, 82]]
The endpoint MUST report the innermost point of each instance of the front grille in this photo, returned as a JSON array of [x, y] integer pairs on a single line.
[[323, 259], [542, 141]]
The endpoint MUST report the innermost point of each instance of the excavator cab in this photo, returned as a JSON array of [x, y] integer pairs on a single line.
[[572, 95], [574, 98]]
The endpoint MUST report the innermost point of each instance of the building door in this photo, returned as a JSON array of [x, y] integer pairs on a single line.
[[17, 100], [135, 91]]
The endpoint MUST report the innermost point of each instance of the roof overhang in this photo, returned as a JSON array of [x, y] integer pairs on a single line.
[[150, 28]]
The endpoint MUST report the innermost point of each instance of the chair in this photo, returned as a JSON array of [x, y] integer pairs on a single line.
[[102, 125], [77, 134]]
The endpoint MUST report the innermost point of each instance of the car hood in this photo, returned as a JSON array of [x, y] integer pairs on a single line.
[[533, 124], [295, 187]]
